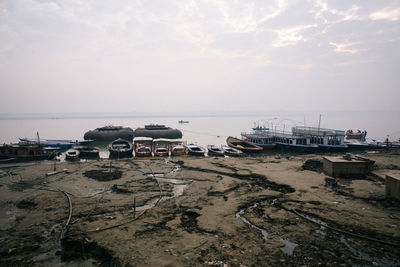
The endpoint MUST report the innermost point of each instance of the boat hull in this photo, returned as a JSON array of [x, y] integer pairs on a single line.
[[242, 145], [116, 154], [9, 159], [24, 152], [215, 151], [196, 153], [178, 153], [300, 148], [120, 148], [195, 150]]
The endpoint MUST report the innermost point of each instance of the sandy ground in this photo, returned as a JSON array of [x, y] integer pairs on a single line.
[[263, 210]]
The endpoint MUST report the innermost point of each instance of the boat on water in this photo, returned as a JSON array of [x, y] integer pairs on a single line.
[[359, 145], [195, 150], [143, 146], [323, 138], [161, 147], [300, 138], [356, 135], [120, 148], [72, 154], [158, 131], [232, 152], [63, 144], [357, 140], [88, 152], [214, 150], [109, 133], [243, 145], [182, 121], [24, 152], [177, 147], [384, 144], [142, 151]]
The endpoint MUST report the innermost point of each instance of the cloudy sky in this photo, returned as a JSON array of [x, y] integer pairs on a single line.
[[206, 55]]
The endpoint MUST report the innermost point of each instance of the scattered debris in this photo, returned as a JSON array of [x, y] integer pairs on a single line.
[[56, 172]]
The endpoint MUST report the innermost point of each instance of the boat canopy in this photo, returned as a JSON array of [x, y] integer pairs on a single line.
[[162, 140], [176, 141], [139, 139], [303, 130]]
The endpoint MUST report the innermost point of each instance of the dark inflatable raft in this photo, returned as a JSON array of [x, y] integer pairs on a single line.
[[158, 131], [109, 133]]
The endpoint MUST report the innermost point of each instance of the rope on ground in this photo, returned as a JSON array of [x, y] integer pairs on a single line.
[[69, 216], [345, 232]]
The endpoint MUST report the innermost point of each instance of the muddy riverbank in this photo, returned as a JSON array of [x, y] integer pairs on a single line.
[[252, 211]]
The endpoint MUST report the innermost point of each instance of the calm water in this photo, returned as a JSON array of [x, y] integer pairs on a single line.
[[201, 129]]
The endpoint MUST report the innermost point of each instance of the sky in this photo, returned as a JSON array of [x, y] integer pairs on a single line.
[[209, 55]]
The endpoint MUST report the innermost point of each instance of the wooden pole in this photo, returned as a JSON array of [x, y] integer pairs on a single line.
[[134, 207]]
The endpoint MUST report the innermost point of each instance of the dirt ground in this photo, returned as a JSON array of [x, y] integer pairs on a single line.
[[264, 210]]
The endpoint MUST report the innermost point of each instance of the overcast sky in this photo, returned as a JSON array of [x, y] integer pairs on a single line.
[[210, 55]]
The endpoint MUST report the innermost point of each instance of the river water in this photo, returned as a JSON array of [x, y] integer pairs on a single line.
[[202, 129]]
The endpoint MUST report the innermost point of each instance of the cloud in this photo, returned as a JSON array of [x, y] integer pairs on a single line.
[[349, 63], [291, 36], [210, 46], [299, 66], [386, 13], [344, 47], [329, 15], [247, 16]]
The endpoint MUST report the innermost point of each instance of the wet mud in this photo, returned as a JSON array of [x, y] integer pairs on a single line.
[[84, 249], [104, 175], [195, 212]]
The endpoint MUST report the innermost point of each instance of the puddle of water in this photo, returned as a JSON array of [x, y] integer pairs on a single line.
[[359, 254], [288, 246], [147, 206], [263, 231], [321, 231], [178, 189], [364, 256]]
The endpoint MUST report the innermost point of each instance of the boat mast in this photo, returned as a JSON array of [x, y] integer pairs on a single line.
[[38, 139], [319, 126]]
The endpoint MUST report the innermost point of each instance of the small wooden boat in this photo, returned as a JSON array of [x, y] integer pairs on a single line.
[[120, 148], [161, 152], [177, 147], [72, 154], [142, 151], [232, 152], [195, 150], [24, 152], [55, 143], [161, 147], [178, 150], [243, 145], [88, 152], [214, 150], [143, 146]]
